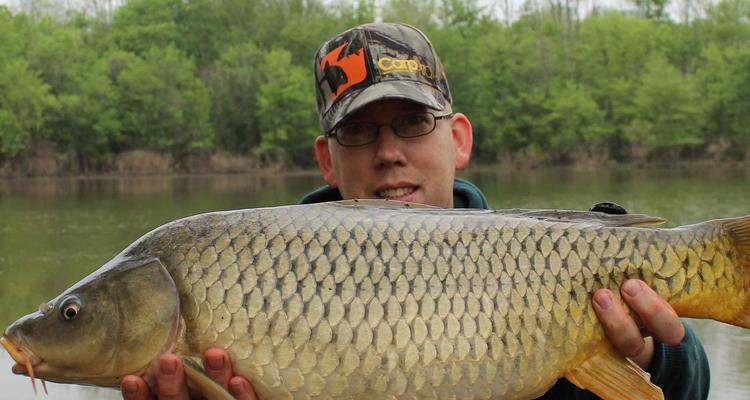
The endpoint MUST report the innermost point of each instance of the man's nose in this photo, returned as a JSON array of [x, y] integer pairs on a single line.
[[389, 147]]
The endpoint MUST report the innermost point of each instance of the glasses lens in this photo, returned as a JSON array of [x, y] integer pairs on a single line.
[[356, 134], [414, 124]]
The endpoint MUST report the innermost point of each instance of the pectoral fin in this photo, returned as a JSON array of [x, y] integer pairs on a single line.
[[198, 380], [614, 377]]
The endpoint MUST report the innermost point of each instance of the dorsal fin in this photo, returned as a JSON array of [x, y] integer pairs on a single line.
[[382, 203], [594, 217]]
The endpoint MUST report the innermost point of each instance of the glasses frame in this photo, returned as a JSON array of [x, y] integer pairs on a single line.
[[333, 132]]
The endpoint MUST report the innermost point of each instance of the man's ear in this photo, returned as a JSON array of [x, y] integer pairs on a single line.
[[325, 164], [463, 139]]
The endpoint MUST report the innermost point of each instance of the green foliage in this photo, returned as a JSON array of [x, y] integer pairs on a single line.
[[86, 122], [286, 109], [666, 107], [24, 103], [609, 59], [162, 103], [420, 13], [234, 82], [725, 77], [13, 30], [235, 75], [356, 12], [572, 116], [143, 24]]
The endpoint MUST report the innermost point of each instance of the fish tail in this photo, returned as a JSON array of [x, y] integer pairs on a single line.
[[738, 230]]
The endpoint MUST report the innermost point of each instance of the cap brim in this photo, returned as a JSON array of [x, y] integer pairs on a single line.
[[407, 90]]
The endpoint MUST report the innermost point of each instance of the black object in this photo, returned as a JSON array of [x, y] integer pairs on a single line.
[[609, 208]]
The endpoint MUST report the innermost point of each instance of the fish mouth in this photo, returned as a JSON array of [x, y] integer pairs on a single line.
[[25, 360]]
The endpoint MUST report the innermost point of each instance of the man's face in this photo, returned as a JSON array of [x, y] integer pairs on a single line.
[[419, 169]]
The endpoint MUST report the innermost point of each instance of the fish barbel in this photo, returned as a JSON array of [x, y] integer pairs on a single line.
[[383, 300]]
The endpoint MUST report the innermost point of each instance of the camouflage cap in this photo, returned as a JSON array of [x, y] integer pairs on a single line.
[[377, 61]]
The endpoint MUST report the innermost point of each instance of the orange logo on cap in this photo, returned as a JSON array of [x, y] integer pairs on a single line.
[[345, 72]]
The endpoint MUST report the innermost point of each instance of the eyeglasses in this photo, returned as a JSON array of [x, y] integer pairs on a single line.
[[406, 126]]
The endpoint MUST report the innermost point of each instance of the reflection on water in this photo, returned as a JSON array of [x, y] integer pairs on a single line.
[[55, 231], [140, 185], [727, 348], [19, 387]]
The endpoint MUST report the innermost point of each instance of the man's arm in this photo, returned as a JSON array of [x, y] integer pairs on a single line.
[[170, 379]]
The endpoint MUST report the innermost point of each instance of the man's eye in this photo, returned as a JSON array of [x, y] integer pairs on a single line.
[[415, 119], [355, 129]]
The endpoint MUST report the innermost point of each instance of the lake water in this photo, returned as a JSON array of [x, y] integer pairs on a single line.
[[55, 231]]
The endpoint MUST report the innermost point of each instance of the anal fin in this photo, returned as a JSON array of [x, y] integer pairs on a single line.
[[613, 377], [198, 380]]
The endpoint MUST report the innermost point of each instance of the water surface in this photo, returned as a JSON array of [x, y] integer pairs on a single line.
[[55, 231]]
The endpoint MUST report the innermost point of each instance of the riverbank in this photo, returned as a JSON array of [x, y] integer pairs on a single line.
[[42, 160]]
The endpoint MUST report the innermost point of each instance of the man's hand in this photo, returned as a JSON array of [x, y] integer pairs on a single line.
[[170, 379], [656, 315]]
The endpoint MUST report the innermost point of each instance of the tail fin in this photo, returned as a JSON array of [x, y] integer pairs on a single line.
[[738, 230]]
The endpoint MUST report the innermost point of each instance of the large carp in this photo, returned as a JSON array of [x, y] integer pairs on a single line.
[[374, 300]]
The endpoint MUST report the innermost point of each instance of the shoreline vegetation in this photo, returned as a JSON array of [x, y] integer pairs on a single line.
[[42, 161], [222, 86]]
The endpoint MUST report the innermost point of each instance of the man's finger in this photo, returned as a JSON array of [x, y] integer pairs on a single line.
[[241, 389], [218, 366], [655, 313], [170, 378], [134, 388], [619, 327]]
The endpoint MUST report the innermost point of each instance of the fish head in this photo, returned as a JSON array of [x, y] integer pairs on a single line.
[[114, 322]]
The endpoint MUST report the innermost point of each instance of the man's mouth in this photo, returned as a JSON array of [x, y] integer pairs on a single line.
[[396, 192]]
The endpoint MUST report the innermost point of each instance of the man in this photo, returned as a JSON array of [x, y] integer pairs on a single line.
[[390, 132]]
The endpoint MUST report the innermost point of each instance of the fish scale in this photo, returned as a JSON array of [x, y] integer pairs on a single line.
[[379, 301], [535, 311]]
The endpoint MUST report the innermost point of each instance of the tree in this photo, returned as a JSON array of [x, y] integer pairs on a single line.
[[234, 83], [161, 102], [724, 77], [286, 109], [143, 24], [573, 117], [609, 57], [419, 13], [666, 105], [25, 102], [86, 122], [355, 13]]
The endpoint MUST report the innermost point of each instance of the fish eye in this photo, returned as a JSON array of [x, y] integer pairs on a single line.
[[70, 309]]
